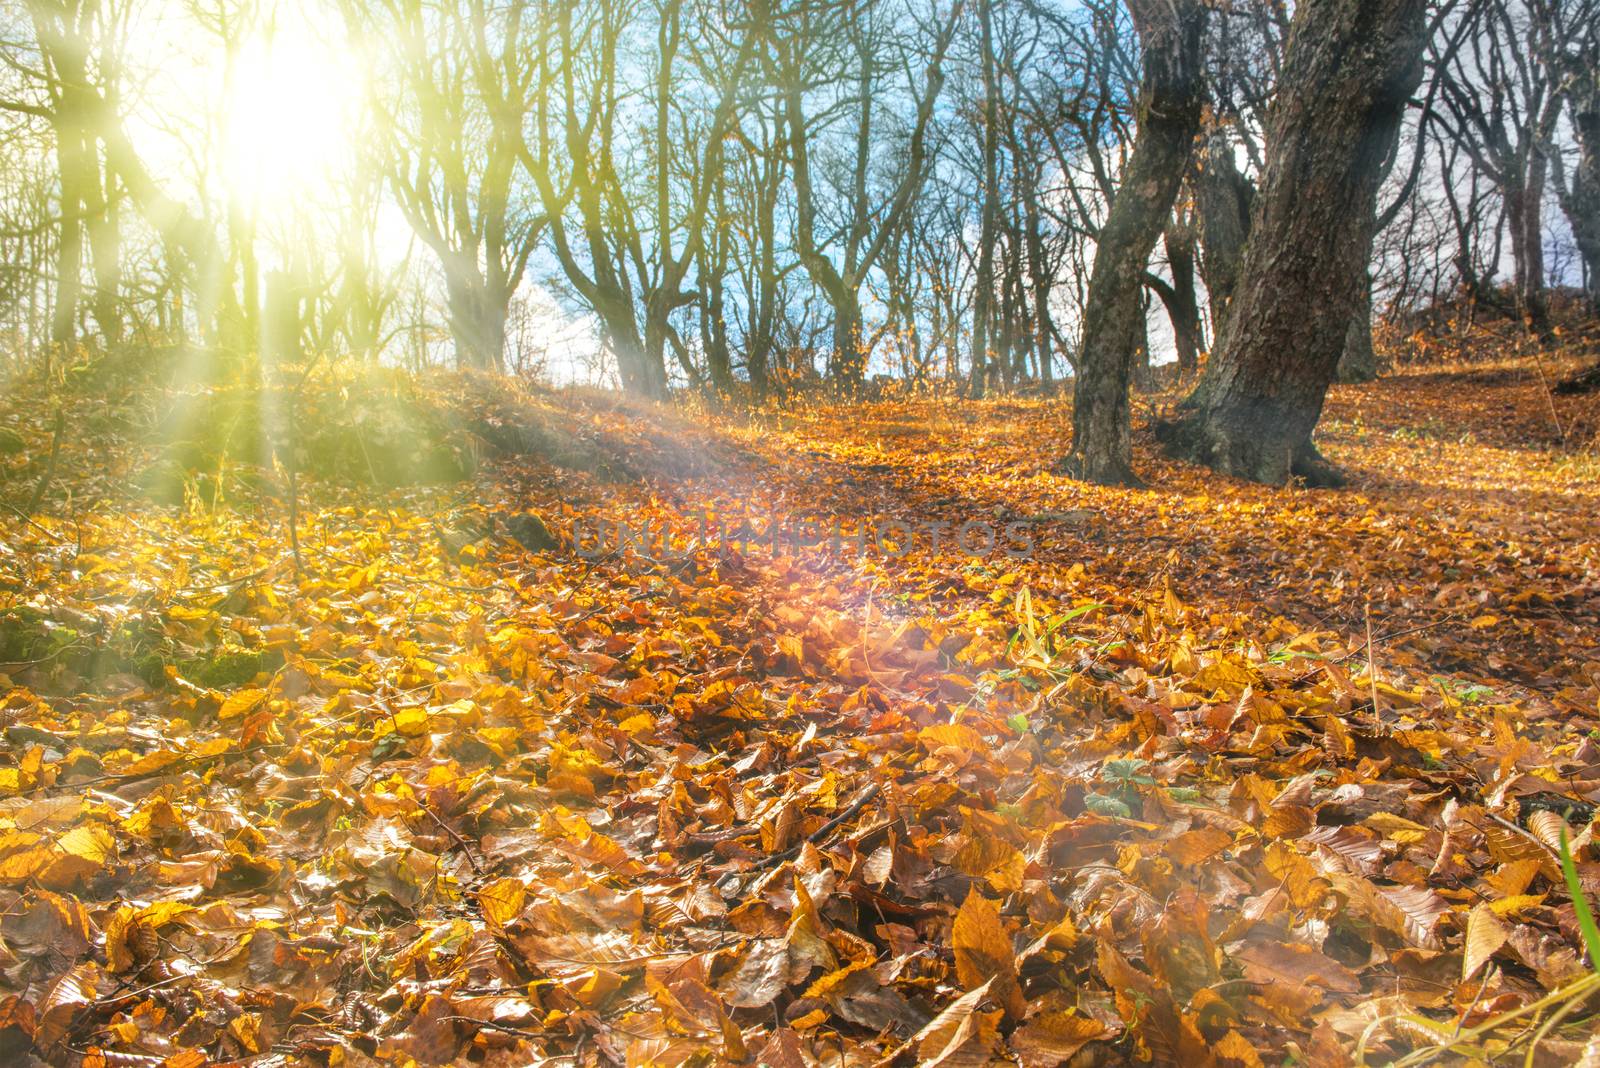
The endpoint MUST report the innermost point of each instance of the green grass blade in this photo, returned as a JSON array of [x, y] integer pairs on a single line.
[[1591, 933]]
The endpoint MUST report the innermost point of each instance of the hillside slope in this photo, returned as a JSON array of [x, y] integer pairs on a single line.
[[1210, 773]]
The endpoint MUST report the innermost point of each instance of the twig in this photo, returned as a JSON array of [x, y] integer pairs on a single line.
[[850, 810], [28, 519], [520, 1032], [190, 763], [294, 517], [1372, 666], [238, 580], [50, 465], [1549, 397], [454, 834]]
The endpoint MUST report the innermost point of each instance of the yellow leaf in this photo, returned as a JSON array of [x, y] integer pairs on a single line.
[[637, 724], [87, 843], [247, 1029], [1511, 906], [955, 735], [501, 900], [411, 722], [240, 703], [1398, 828], [1486, 933]]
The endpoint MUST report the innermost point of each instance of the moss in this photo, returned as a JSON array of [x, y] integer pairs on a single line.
[[151, 668], [163, 481], [228, 666], [25, 634], [28, 636], [369, 432]]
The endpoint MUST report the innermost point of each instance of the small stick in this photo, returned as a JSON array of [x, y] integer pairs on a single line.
[[49, 467], [1549, 396], [294, 520], [852, 809], [451, 831], [1372, 666]]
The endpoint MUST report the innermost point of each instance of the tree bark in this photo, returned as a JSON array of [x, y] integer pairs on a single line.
[[1178, 296], [1113, 324], [983, 292], [1524, 215], [1349, 68], [1224, 198], [477, 317], [70, 170], [1359, 362], [105, 247], [1580, 198]]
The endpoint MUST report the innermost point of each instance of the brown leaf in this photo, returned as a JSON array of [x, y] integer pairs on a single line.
[[1486, 933], [1295, 964], [1051, 1038], [1198, 846], [958, 1036], [761, 976], [984, 952], [807, 948]]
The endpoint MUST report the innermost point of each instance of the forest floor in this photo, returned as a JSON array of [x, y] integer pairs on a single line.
[[1208, 773]]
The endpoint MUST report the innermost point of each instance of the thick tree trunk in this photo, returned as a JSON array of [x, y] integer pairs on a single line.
[[1113, 322], [105, 246], [849, 358], [1349, 68], [1525, 216], [640, 375], [477, 322], [1143, 374], [1581, 201], [71, 174], [1224, 198], [1359, 362]]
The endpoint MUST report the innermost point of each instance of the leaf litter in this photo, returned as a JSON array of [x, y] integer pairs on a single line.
[[1216, 775]]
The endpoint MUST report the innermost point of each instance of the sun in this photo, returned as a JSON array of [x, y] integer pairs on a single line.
[[289, 110]]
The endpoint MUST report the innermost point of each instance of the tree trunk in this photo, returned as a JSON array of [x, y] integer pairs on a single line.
[[1225, 199], [639, 375], [983, 294], [849, 357], [477, 322], [1113, 322], [1039, 276], [1358, 362], [71, 174], [1184, 309], [1144, 378], [1581, 201], [105, 246], [1350, 66], [1524, 215]]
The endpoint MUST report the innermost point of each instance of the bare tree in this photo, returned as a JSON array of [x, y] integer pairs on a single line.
[[451, 164], [1349, 68], [1168, 119], [838, 264]]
